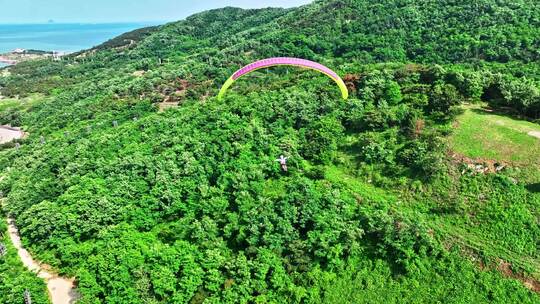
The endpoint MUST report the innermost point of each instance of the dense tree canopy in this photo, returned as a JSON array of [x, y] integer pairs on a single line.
[[189, 205]]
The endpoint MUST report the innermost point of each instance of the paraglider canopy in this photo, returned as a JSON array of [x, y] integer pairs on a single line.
[[285, 61]]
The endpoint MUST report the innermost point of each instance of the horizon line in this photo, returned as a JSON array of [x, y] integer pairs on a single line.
[[90, 23]]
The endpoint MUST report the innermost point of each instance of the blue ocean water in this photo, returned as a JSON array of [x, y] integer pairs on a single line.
[[60, 37]]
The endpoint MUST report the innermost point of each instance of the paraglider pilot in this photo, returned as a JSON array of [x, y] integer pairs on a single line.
[[283, 162]]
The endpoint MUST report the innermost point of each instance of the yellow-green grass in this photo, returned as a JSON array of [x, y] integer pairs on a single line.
[[6, 104], [489, 247], [338, 175], [482, 134], [22, 103]]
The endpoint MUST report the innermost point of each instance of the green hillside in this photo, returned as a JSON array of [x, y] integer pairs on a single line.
[[189, 205], [484, 134]]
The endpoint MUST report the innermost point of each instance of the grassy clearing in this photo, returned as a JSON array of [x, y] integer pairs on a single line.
[[497, 227], [491, 244], [339, 175], [481, 134], [496, 224], [6, 104], [22, 103], [491, 249]]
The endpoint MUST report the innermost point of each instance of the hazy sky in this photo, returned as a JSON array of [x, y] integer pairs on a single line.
[[93, 11]]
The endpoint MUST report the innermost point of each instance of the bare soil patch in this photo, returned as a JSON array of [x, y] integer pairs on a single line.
[[480, 165], [535, 134], [8, 134], [506, 269]]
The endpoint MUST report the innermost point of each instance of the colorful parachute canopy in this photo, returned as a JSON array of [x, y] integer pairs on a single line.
[[261, 64]]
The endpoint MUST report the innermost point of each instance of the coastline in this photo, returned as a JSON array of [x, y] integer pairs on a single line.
[[20, 55], [22, 42], [6, 60]]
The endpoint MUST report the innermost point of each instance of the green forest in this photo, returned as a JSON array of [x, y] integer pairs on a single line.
[[422, 187]]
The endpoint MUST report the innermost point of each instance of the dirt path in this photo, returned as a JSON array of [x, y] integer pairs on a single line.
[[535, 134], [61, 290]]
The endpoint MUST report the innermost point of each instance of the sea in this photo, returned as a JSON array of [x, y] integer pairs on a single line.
[[60, 37]]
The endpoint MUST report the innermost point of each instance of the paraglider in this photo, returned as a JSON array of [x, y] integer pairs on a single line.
[[283, 162], [277, 61], [27, 297]]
